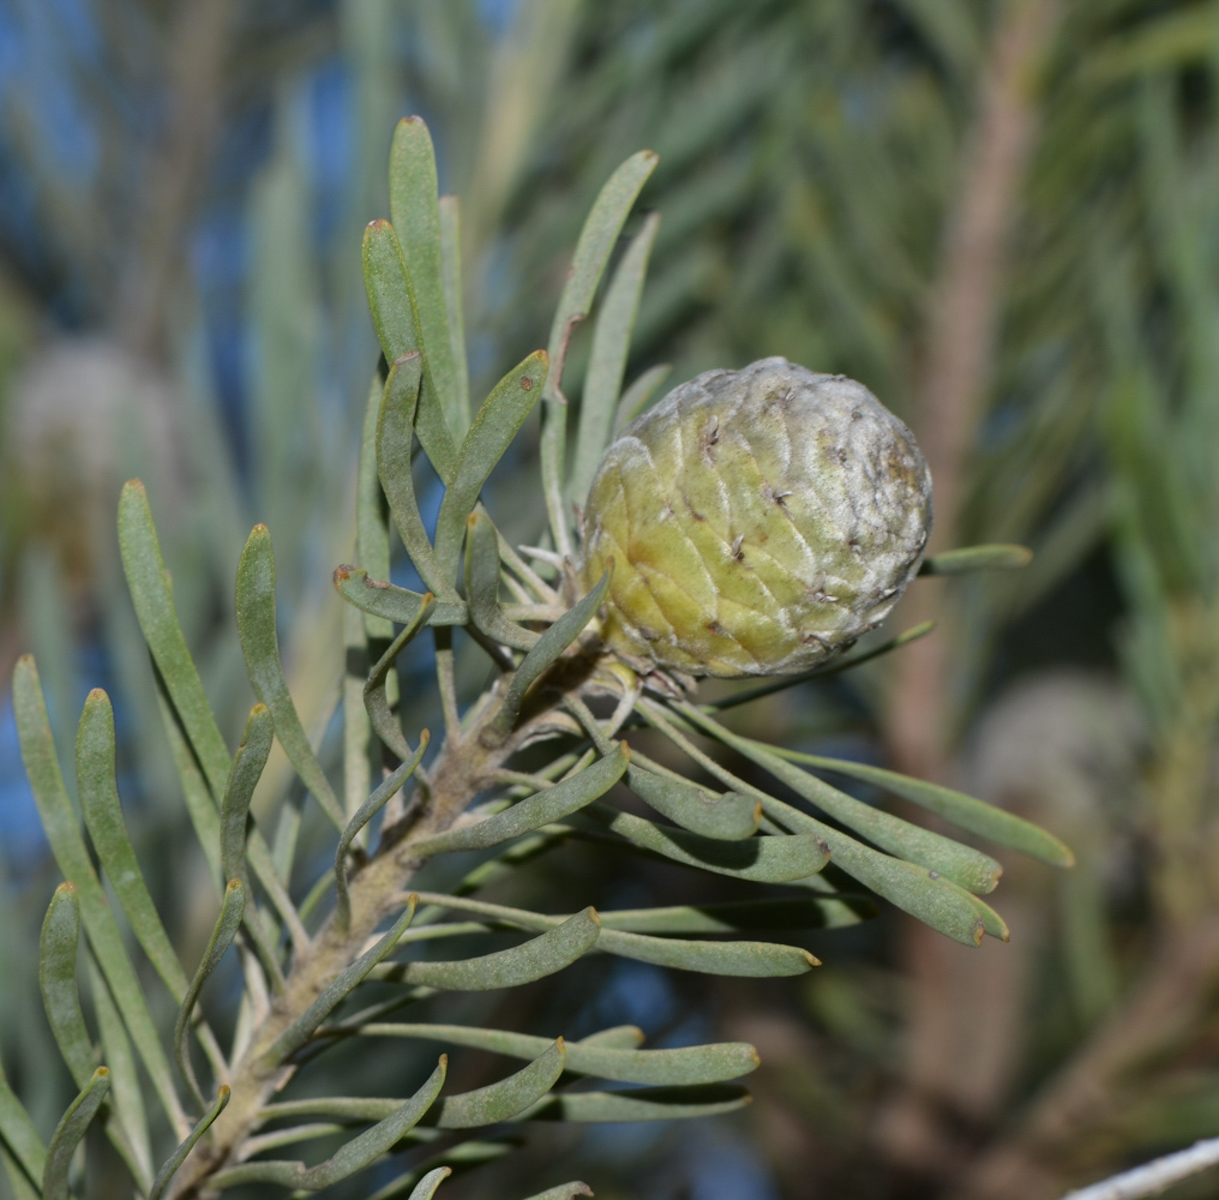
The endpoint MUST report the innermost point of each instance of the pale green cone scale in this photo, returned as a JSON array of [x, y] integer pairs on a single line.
[[759, 520]]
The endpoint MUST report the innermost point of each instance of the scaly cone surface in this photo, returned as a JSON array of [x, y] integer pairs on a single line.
[[760, 521]]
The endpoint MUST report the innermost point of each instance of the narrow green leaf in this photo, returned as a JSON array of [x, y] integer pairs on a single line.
[[641, 1104], [337, 990], [922, 893], [103, 813], [395, 430], [130, 1137], [19, 1134], [728, 816], [200, 804], [635, 398], [357, 1154], [812, 912], [507, 1098], [482, 586], [498, 421], [392, 303], [248, 764], [617, 1037], [973, 870], [564, 1191], [372, 524], [376, 688], [256, 628], [593, 249], [969, 559], [57, 978], [544, 655], [759, 859], [389, 602], [69, 1132], [414, 210], [686, 1065], [611, 346], [450, 267], [225, 929], [723, 958], [551, 804], [425, 1189], [152, 596], [746, 959], [68, 846], [178, 1157], [985, 820], [363, 815], [565, 942]]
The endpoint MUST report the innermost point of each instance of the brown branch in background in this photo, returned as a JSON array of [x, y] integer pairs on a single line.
[[176, 172], [966, 305], [954, 1009]]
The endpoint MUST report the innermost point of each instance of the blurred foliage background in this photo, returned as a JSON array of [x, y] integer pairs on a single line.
[[1001, 216]]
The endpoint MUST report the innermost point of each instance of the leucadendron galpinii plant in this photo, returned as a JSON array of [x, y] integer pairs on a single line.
[[753, 522]]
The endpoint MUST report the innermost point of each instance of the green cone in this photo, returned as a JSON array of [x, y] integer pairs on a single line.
[[760, 521]]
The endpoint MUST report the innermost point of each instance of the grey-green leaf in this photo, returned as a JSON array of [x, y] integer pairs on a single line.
[[920, 892], [498, 421], [414, 210], [103, 813], [69, 1132], [380, 598], [611, 345], [641, 1104], [985, 820], [57, 977], [535, 959], [746, 959], [969, 559], [244, 774], [728, 815], [300, 1030], [972, 869], [392, 303], [593, 249], [450, 266], [395, 430], [363, 815], [178, 1157], [812, 912], [357, 1154], [759, 859], [550, 804], [684, 1065], [507, 1098], [256, 629], [425, 1189], [482, 586], [225, 929], [545, 654], [152, 596], [68, 846]]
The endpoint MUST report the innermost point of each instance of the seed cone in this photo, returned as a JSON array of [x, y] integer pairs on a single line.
[[760, 521]]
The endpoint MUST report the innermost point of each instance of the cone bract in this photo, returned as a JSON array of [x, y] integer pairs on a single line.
[[760, 521]]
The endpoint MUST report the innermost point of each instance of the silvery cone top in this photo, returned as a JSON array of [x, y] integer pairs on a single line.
[[759, 520]]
